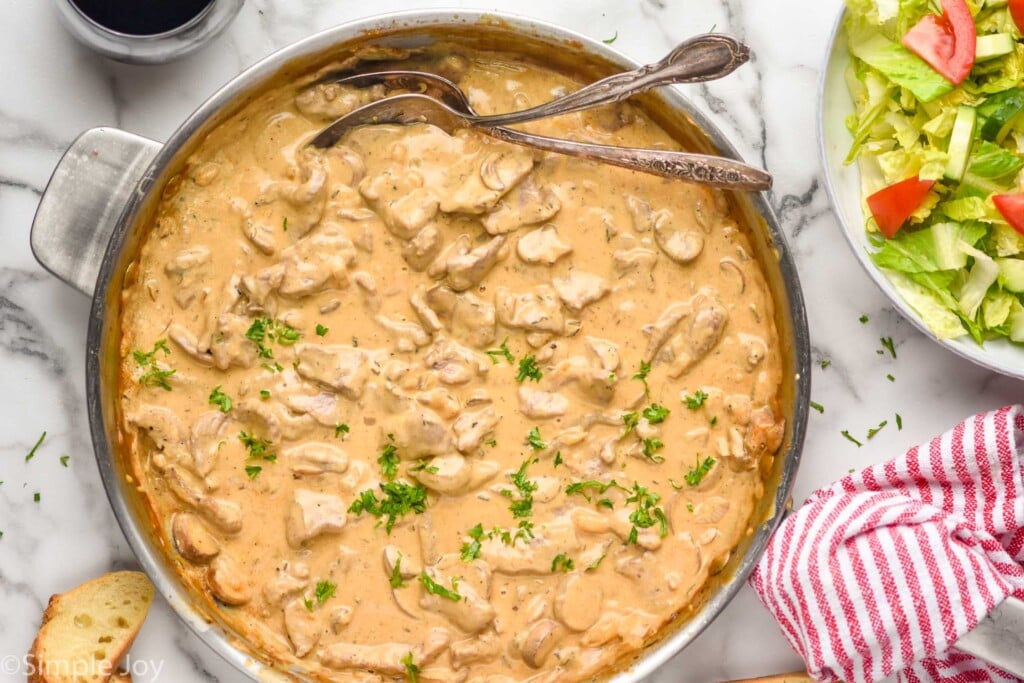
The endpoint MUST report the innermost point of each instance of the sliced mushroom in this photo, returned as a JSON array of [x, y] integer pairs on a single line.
[[192, 539], [580, 602], [228, 582], [540, 641], [679, 244]]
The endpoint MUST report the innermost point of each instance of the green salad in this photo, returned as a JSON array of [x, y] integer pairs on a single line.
[[938, 133]]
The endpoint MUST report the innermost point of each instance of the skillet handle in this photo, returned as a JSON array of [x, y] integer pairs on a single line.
[[83, 201]]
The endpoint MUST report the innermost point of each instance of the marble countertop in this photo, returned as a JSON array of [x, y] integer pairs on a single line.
[[51, 89]]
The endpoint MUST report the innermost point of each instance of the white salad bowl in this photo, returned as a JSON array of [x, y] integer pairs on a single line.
[[843, 183]]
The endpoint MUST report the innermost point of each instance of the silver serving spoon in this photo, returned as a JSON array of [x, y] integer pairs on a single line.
[[444, 104]]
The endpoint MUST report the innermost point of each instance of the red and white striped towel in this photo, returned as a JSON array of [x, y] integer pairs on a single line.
[[883, 571]]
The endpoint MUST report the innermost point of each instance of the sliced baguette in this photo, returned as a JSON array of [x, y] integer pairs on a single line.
[[87, 630]]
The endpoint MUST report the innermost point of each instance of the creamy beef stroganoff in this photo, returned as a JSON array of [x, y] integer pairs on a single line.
[[435, 406]]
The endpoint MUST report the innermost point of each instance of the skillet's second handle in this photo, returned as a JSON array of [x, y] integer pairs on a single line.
[[84, 199], [999, 638]]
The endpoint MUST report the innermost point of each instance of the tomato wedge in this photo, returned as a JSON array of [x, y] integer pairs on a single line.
[[1017, 12], [1012, 208], [894, 205], [948, 42]]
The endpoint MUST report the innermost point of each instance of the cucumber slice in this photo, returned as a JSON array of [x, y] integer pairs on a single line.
[[1017, 326], [946, 240], [993, 46], [961, 140], [999, 110], [1011, 274]]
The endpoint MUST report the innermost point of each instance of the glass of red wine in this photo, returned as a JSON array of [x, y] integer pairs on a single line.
[[146, 31]]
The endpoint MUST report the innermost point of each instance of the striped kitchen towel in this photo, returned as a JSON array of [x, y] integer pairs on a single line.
[[883, 571]]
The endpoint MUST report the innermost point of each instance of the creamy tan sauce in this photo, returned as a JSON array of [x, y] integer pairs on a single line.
[[413, 254]]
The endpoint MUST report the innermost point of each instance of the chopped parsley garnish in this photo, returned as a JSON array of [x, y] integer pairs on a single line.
[[64, 460], [424, 466], [533, 438], [605, 503], [888, 345], [817, 406], [221, 400], [848, 437], [713, 420], [609, 41], [156, 378], [899, 422], [524, 532], [646, 514], [399, 500], [284, 224], [655, 414], [269, 330], [696, 401], [437, 589], [396, 574], [561, 563], [471, 550], [890, 378], [321, 331], [276, 367], [264, 394], [528, 369], [340, 429], [388, 459], [596, 563], [825, 364], [880, 427], [583, 488], [631, 420], [32, 453], [651, 447], [558, 458], [36, 497], [864, 319], [411, 670], [696, 475], [322, 593], [259, 449], [502, 352], [253, 471], [146, 358], [523, 505], [645, 369]]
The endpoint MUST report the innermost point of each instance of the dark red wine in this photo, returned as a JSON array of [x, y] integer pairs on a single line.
[[142, 17]]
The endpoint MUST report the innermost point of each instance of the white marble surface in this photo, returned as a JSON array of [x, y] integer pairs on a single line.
[[51, 89]]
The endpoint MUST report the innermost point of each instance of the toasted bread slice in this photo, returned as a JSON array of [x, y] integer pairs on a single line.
[[87, 630]]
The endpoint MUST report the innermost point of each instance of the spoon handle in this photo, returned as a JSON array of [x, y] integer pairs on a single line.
[[702, 58], [696, 168]]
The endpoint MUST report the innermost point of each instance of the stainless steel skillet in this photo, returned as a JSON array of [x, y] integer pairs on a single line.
[[104, 190]]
